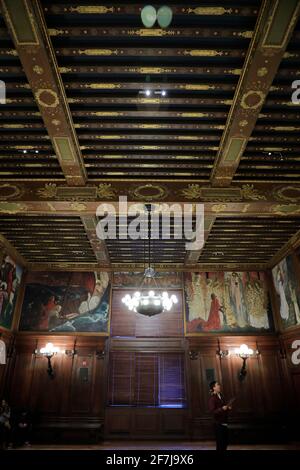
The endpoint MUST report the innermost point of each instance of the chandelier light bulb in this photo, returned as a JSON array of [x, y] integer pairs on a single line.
[[149, 303], [243, 350], [49, 349]]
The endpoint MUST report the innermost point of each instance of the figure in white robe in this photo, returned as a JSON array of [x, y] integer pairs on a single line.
[[284, 306]]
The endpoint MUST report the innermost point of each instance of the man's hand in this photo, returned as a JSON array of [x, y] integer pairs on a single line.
[[225, 407]]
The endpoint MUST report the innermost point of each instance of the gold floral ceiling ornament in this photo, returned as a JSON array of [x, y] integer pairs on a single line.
[[253, 99], [283, 209], [47, 98], [149, 192], [262, 71], [151, 32], [193, 191], [12, 207], [202, 53], [78, 206], [48, 191], [9, 191], [217, 11], [105, 191], [37, 69], [288, 193], [98, 52], [249, 192], [218, 208], [197, 86], [108, 86], [92, 9]]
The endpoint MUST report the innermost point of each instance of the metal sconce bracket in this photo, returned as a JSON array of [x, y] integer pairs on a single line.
[[193, 355], [243, 371], [222, 353], [70, 352], [100, 354]]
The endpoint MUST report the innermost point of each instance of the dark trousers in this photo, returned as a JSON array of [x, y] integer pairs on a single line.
[[221, 432]]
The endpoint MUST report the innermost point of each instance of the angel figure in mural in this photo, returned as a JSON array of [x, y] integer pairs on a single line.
[[237, 300], [296, 305], [257, 303], [280, 288], [94, 299]]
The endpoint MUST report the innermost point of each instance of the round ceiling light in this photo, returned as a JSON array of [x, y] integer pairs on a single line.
[[148, 16], [164, 16]]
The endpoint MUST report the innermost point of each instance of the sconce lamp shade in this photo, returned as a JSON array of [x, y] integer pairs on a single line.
[[148, 16], [244, 351], [164, 16], [49, 350]]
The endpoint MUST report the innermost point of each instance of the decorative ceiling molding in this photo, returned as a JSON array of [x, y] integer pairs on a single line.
[[275, 25], [39, 194], [204, 267], [6, 246], [192, 256], [98, 246], [26, 24], [288, 248]]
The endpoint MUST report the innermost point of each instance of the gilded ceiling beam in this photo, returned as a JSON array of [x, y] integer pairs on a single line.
[[98, 246], [139, 267], [26, 24], [289, 247], [135, 9], [7, 247], [136, 32], [192, 256], [274, 27]]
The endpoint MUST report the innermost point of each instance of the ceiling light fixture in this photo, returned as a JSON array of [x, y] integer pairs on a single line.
[[163, 16], [149, 302]]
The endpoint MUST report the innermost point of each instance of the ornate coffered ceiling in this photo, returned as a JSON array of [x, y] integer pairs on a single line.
[[78, 129]]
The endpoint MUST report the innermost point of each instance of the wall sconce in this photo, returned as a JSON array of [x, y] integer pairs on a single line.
[[70, 352], [100, 354], [193, 355], [244, 352], [222, 353], [49, 351]]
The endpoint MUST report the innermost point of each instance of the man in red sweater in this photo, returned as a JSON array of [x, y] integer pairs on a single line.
[[219, 409]]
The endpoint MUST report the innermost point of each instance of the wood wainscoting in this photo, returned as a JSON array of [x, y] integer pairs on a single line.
[[76, 403]]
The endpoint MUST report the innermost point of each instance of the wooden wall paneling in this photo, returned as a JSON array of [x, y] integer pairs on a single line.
[[271, 383], [204, 367], [46, 392], [292, 371], [174, 423], [244, 407], [146, 422], [83, 379], [88, 385], [118, 422]]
